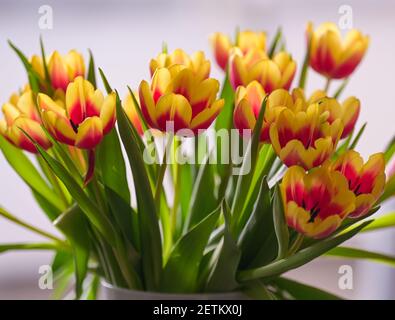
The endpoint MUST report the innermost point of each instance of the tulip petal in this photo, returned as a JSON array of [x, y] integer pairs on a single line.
[[173, 107], [148, 107], [204, 119], [107, 113], [90, 133]]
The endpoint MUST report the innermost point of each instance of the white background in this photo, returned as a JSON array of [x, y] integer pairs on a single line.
[[124, 35]]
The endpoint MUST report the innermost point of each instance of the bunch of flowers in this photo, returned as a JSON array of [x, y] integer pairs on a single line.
[[301, 192]]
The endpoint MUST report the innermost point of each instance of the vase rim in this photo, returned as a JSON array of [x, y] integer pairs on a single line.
[[231, 295]]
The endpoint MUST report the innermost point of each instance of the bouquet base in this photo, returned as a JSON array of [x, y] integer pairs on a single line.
[[110, 292]]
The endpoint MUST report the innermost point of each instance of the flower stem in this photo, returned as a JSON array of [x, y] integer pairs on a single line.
[[296, 245], [28, 226], [327, 84]]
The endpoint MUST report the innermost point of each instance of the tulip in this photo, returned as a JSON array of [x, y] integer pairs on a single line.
[[246, 41], [131, 111], [62, 69], [179, 96], [248, 102], [332, 56], [305, 137], [367, 180], [316, 203], [84, 119], [255, 65], [197, 62], [348, 111], [21, 115]]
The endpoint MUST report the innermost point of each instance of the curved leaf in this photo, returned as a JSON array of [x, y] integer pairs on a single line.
[[300, 258], [181, 270]]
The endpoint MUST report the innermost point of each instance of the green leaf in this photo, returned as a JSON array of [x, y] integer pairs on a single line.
[[357, 137], [33, 76], [275, 42], [92, 212], [105, 82], [301, 257], [225, 121], [31, 246], [91, 70], [258, 240], [46, 72], [181, 270], [60, 260], [188, 184], [280, 225], [354, 253], [305, 67], [265, 160], [74, 226], [112, 165], [91, 292], [300, 291], [28, 172], [225, 260], [382, 222], [389, 190], [258, 291], [389, 150], [202, 202], [49, 209], [247, 172], [150, 238]]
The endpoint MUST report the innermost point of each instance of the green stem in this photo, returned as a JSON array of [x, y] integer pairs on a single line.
[[177, 180], [296, 245], [161, 174], [28, 226], [327, 84]]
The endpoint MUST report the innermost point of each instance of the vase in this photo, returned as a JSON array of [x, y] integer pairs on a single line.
[[110, 292]]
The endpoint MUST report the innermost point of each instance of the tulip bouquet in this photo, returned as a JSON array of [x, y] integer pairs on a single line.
[[185, 223]]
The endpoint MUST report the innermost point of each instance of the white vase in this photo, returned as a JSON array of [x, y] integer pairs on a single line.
[[110, 292]]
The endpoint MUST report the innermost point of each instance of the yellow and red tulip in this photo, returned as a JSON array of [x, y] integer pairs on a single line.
[[348, 111], [272, 74], [316, 203], [197, 62], [62, 69], [84, 119], [367, 181], [21, 113], [332, 56], [178, 95], [246, 40], [305, 137], [131, 111]]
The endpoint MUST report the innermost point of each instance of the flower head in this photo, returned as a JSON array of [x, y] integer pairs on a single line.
[[246, 40], [332, 56], [85, 117], [62, 69], [366, 180], [316, 203], [255, 65], [179, 95], [197, 62], [348, 111], [305, 137], [21, 115], [248, 102]]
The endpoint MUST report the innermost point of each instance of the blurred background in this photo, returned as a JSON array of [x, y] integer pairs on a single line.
[[124, 35]]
